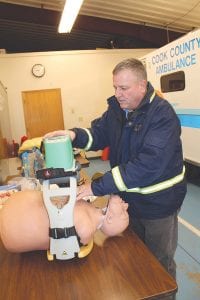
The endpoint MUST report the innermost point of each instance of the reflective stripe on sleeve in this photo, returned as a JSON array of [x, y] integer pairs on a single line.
[[149, 189], [90, 139], [118, 179]]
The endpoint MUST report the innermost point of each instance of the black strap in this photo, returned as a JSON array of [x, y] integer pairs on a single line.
[[51, 173], [60, 233]]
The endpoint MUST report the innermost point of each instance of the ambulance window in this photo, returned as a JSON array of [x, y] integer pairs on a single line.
[[173, 82]]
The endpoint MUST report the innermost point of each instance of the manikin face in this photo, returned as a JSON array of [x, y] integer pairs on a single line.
[[129, 90], [116, 219]]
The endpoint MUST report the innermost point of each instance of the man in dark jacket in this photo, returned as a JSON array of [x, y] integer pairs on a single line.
[[143, 133]]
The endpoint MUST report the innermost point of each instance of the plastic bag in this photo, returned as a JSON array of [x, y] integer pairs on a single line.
[[32, 161]]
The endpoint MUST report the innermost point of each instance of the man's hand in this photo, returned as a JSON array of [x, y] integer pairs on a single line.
[[70, 133], [84, 191]]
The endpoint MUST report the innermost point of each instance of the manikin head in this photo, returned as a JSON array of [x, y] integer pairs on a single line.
[[116, 218], [130, 83]]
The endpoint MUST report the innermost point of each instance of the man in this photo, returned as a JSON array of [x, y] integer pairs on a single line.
[[145, 157], [24, 222]]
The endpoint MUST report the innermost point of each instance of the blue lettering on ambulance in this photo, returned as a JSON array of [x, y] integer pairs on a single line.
[[180, 63], [183, 48], [158, 58], [182, 55]]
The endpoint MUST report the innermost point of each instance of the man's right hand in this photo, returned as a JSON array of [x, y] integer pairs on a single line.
[[70, 133]]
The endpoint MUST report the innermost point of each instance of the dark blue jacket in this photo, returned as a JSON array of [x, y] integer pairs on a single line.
[[147, 150]]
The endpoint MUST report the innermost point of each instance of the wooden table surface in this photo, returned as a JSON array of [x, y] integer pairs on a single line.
[[122, 269]]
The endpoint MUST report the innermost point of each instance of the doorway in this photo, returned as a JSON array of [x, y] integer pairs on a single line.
[[42, 111]]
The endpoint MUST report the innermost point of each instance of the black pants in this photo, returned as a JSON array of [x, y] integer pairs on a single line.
[[161, 237]]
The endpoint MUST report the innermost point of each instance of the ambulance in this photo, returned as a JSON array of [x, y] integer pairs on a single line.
[[174, 70]]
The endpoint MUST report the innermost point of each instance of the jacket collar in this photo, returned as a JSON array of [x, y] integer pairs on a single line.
[[147, 98]]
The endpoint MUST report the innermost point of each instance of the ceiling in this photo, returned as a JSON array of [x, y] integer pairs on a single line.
[[31, 25]]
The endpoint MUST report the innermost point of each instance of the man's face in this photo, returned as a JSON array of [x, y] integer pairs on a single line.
[[129, 91]]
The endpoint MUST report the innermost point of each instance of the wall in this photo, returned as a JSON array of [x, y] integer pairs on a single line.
[[85, 79], [5, 134]]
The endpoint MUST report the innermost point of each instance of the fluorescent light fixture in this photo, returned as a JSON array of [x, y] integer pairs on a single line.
[[69, 14]]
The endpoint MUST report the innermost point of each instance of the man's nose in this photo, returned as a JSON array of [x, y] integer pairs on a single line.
[[118, 93]]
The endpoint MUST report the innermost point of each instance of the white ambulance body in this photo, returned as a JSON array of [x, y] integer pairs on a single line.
[[174, 69]]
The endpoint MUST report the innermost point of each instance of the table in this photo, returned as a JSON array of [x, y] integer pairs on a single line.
[[122, 269]]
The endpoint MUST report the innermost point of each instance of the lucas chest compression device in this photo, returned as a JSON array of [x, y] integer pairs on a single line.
[[59, 182]]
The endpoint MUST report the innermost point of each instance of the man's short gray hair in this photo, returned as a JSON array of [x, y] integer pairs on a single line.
[[134, 65]]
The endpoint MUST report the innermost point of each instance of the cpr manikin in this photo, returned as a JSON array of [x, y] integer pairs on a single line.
[[24, 222]]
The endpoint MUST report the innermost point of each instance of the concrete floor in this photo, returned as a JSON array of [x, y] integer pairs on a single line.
[[188, 250]]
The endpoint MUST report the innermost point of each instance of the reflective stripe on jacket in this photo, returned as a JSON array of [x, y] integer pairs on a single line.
[[148, 189]]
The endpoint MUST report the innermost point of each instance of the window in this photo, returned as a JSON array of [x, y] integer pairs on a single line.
[[173, 82]]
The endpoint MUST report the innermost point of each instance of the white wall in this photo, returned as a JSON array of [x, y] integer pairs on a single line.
[[85, 79]]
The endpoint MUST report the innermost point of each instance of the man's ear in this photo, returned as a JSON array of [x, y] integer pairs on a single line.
[[126, 205], [143, 85]]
